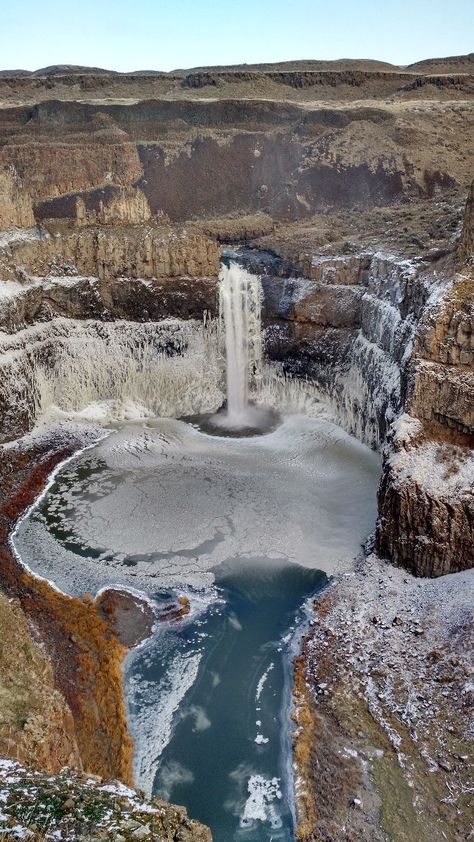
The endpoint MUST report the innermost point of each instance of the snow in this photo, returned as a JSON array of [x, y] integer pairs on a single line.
[[20, 235], [444, 472]]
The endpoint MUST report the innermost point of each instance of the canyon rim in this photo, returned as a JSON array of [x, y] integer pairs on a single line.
[[307, 229]]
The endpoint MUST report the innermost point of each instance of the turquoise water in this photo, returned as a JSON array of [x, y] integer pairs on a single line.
[[228, 757]]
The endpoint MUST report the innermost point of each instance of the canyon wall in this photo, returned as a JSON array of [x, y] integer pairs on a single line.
[[426, 496], [349, 328], [59, 291], [112, 208], [143, 252], [379, 335], [219, 157], [390, 342]]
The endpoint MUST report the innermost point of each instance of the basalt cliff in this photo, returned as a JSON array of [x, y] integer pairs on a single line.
[[347, 188]]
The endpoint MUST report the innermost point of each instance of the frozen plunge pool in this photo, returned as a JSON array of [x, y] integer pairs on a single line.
[[249, 528]]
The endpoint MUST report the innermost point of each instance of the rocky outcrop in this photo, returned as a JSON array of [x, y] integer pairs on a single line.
[[120, 251], [348, 331], [113, 206], [443, 380], [426, 496], [426, 502], [466, 246], [16, 209], [81, 808]]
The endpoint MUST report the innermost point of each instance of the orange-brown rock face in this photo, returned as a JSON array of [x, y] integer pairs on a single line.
[[87, 718], [36, 725]]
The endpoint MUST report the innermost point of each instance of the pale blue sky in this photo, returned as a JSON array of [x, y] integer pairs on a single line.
[[159, 35]]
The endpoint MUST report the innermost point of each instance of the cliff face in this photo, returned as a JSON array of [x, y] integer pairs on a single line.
[[16, 209], [347, 329], [466, 248], [62, 287], [36, 724], [382, 336], [426, 500], [120, 205], [443, 381], [213, 157], [134, 252]]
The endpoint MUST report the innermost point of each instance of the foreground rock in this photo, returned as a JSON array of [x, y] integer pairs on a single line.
[[71, 806]]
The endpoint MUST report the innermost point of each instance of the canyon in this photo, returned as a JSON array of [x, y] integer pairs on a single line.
[[348, 191]]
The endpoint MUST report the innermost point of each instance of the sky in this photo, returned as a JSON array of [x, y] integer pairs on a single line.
[[158, 35]]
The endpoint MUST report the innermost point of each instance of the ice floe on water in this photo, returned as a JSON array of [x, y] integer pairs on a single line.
[[260, 802], [262, 681]]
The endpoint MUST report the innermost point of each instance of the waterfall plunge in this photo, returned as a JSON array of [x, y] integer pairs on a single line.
[[240, 332], [239, 319]]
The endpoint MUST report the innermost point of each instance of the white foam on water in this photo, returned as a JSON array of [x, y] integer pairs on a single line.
[[234, 622], [201, 719]]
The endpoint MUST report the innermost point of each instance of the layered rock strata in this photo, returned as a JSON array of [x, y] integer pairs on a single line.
[[219, 157]]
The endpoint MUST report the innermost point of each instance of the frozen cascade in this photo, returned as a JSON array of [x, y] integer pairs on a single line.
[[108, 371]]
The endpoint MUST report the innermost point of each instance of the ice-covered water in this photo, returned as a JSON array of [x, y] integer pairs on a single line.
[[162, 504], [248, 528]]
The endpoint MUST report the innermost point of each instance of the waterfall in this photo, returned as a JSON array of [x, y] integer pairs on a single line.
[[240, 332]]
